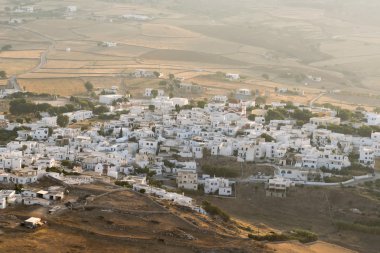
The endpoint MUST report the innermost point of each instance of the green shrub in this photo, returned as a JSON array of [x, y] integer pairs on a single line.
[[219, 171], [300, 235], [215, 211], [303, 236], [271, 237], [123, 184], [358, 226]]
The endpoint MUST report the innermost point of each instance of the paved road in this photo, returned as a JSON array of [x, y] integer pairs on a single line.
[[360, 181], [43, 57], [13, 82]]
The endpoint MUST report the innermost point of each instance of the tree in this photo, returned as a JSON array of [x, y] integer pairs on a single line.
[[365, 131], [154, 93], [260, 100], [201, 104], [220, 74], [152, 108], [171, 76], [100, 110], [302, 115], [121, 132], [251, 117], [3, 74], [6, 47], [156, 74], [360, 108], [162, 83], [50, 131], [267, 137], [62, 120], [344, 114], [101, 131], [89, 86], [274, 115], [18, 188]]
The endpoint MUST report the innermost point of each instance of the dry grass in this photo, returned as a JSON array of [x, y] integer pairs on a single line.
[[309, 208], [25, 54], [317, 247], [122, 220], [166, 31], [17, 66], [60, 86]]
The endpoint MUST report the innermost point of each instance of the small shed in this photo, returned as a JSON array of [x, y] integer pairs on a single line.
[[32, 222]]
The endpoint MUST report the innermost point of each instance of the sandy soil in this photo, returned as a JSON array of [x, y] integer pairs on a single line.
[[317, 247]]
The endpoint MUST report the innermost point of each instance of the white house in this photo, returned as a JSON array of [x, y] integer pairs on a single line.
[[325, 121], [72, 8], [224, 187], [40, 134], [7, 197], [79, 115], [179, 101], [149, 92], [373, 119], [150, 144], [277, 187], [220, 99], [217, 185], [48, 121], [375, 136], [244, 92], [142, 73], [232, 76], [367, 156], [109, 44], [22, 176], [108, 99]]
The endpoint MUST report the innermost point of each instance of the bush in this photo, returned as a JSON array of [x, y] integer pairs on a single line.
[[100, 110], [359, 227], [20, 106], [7, 136], [219, 171], [123, 184], [215, 211], [303, 236], [335, 179], [271, 237], [300, 235], [267, 137], [142, 191]]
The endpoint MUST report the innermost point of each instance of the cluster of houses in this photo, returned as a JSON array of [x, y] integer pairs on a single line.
[[166, 140], [31, 196], [188, 179]]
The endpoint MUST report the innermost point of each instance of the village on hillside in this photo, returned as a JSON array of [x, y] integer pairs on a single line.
[[156, 144]]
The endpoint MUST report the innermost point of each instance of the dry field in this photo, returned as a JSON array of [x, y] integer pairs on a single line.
[[58, 86], [119, 220], [30, 54], [16, 67], [308, 208], [166, 31], [318, 247], [180, 41], [108, 217]]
